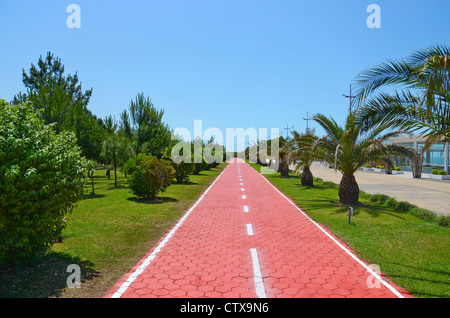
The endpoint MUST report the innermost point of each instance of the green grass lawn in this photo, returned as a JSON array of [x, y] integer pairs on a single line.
[[106, 234], [413, 253]]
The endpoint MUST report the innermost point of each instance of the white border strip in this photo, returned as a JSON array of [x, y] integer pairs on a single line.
[[259, 284], [378, 277], [155, 252]]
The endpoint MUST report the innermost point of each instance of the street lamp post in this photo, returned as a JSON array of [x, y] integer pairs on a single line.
[[350, 97], [307, 121]]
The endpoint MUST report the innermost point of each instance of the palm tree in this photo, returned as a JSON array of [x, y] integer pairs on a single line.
[[283, 166], [350, 147], [420, 101], [303, 151]]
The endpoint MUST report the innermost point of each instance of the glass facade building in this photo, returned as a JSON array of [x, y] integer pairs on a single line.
[[436, 157]]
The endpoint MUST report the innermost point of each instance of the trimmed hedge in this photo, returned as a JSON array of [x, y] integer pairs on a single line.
[[407, 207]]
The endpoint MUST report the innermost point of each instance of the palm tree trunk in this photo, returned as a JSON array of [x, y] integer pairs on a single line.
[[348, 190], [284, 168], [307, 177], [388, 168], [416, 166]]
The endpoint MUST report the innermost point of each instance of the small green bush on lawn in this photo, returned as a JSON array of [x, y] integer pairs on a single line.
[[381, 198], [403, 206], [423, 214], [444, 220], [149, 176], [391, 203]]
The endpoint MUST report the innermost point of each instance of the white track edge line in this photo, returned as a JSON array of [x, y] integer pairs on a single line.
[[150, 258], [378, 277]]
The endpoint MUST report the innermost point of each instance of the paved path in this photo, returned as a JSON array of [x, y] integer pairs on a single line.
[[245, 239], [428, 194]]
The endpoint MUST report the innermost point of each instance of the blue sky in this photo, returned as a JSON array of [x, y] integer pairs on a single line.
[[229, 63]]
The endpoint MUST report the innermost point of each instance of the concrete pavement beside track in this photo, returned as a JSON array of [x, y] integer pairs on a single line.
[[433, 195]]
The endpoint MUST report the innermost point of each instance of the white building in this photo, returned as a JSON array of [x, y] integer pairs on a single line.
[[436, 157]]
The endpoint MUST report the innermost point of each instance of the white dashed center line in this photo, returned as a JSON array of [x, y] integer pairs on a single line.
[[249, 229], [259, 284]]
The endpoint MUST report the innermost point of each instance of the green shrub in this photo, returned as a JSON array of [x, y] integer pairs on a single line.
[[442, 173], [200, 166], [382, 198], [403, 206], [391, 203], [149, 176], [380, 167], [364, 195], [181, 162], [435, 171], [42, 176], [397, 168], [423, 214], [367, 166], [183, 170], [129, 166], [444, 220], [319, 180]]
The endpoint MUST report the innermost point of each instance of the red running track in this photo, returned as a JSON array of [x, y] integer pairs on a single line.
[[244, 239]]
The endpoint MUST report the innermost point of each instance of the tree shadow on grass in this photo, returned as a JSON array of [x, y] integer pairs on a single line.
[[318, 184], [92, 196], [158, 200], [435, 284], [199, 174], [340, 208], [120, 185], [376, 211], [184, 183], [44, 277], [318, 204]]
